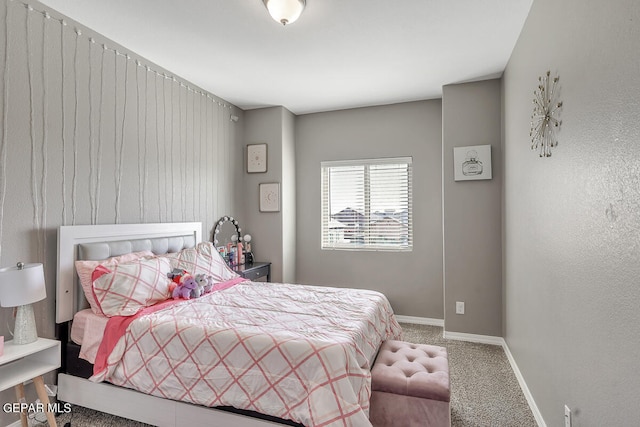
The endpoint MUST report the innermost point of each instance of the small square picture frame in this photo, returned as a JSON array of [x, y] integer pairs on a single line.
[[472, 163], [269, 197], [256, 158]]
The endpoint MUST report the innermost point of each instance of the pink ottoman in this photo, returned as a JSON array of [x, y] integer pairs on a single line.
[[410, 386]]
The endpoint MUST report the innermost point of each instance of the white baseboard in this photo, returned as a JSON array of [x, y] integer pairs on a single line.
[[420, 320], [15, 424], [523, 385], [482, 339]]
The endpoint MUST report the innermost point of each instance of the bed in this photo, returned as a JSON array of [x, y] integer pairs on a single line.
[[245, 354]]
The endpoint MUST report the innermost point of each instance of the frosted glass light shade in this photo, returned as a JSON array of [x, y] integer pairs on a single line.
[[285, 11], [22, 286]]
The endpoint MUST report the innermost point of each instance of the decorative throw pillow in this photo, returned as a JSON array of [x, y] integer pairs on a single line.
[[128, 287], [85, 270], [203, 259]]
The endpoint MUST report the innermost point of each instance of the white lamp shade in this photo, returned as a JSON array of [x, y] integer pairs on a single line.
[[285, 11], [22, 286]]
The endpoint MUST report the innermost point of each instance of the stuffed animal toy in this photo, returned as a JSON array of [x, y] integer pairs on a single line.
[[197, 291], [205, 283], [177, 276], [184, 289], [202, 281], [209, 286], [172, 287]]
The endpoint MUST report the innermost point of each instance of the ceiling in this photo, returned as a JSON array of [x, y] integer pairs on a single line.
[[339, 54]]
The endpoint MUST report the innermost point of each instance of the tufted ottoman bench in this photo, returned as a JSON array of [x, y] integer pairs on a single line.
[[410, 386]]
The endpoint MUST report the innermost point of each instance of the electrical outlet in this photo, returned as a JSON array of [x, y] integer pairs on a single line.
[[567, 416], [459, 307]]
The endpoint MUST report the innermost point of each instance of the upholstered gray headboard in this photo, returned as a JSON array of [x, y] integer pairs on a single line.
[[158, 245], [97, 242]]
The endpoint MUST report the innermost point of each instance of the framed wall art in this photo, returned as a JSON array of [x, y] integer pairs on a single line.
[[256, 158], [472, 163], [270, 197]]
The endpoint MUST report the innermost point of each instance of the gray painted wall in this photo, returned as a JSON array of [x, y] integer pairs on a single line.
[[471, 115], [411, 280], [289, 211], [137, 148], [273, 233], [571, 221]]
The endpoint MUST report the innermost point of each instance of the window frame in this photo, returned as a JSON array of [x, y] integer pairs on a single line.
[[326, 216]]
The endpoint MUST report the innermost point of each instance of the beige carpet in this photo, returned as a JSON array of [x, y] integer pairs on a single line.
[[484, 389]]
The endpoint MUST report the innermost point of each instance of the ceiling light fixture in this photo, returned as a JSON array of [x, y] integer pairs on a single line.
[[285, 11]]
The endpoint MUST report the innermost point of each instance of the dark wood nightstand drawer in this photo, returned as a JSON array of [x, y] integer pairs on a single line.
[[255, 271]]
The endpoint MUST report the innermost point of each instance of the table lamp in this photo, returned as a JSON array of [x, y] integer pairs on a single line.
[[20, 286]]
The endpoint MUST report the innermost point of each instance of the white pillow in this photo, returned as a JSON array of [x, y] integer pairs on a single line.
[[126, 288], [85, 270], [203, 259]]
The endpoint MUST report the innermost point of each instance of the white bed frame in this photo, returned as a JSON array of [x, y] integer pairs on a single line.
[[106, 397]]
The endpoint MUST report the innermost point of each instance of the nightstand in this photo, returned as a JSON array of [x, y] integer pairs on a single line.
[[254, 270], [21, 363]]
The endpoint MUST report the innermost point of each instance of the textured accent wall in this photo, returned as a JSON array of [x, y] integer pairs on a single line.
[[91, 133], [571, 221]]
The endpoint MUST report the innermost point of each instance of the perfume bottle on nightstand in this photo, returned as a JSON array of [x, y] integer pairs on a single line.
[[472, 166], [248, 256]]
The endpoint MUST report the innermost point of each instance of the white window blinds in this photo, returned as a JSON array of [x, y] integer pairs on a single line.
[[366, 204]]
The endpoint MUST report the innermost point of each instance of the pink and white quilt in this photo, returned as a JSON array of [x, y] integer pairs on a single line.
[[292, 351]]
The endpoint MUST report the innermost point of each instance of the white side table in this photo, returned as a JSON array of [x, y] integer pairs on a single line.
[[21, 363]]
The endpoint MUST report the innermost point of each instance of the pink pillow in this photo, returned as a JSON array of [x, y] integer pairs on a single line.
[[205, 259], [85, 270], [131, 286]]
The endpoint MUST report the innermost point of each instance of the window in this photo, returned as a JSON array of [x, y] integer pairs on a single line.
[[366, 204]]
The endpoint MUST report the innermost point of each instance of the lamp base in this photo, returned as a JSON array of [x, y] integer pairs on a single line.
[[25, 330]]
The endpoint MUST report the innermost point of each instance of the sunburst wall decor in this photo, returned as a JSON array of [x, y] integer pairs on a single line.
[[544, 119]]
